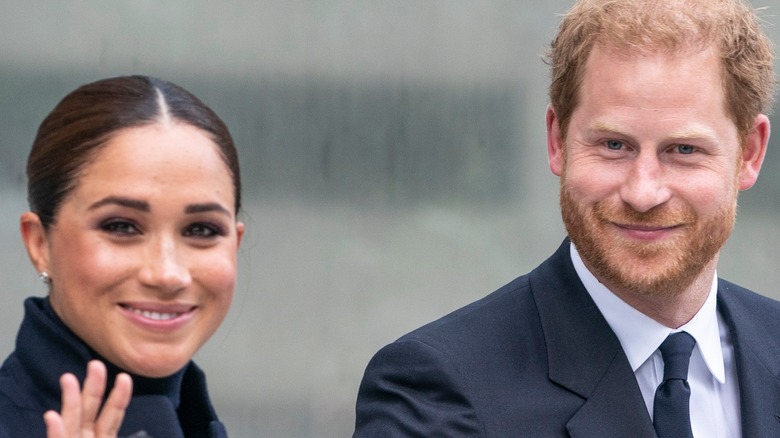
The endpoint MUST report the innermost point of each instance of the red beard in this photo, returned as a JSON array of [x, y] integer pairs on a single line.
[[662, 268]]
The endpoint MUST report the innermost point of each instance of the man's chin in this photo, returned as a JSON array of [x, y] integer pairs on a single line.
[[656, 272], [638, 268], [667, 285]]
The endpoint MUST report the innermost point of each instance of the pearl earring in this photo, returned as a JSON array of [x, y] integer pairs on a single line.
[[44, 276]]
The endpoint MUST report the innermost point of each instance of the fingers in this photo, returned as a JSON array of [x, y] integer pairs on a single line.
[[114, 410], [92, 394], [71, 404], [79, 417], [55, 427]]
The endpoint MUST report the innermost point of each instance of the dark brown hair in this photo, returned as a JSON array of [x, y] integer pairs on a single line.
[[84, 120]]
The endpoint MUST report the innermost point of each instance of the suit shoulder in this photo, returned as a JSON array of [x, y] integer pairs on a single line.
[[752, 320], [507, 297], [735, 295], [432, 381], [747, 309]]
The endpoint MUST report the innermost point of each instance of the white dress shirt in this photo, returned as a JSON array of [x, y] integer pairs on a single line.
[[712, 375]]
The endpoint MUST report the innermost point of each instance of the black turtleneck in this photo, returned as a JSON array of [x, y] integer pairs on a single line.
[[168, 387], [173, 406]]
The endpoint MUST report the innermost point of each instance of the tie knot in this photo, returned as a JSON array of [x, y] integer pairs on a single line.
[[676, 351]]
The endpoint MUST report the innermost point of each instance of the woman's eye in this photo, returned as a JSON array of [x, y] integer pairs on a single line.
[[614, 145], [203, 230], [685, 149], [120, 227]]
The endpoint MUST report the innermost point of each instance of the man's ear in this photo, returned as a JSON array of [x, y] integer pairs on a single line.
[[555, 145], [35, 240], [753, 152]]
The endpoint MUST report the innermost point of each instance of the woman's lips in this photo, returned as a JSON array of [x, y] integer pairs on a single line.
[[158, 315]]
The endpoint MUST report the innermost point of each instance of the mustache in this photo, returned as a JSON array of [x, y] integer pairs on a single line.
[[660, 216]]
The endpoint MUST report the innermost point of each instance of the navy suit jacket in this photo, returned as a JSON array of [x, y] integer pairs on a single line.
[[537, 359]]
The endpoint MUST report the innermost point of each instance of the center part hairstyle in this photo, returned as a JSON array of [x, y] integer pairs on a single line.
[[637, 27], [87, 118]]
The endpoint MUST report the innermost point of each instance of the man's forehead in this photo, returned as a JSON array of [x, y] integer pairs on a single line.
[[628, 50]]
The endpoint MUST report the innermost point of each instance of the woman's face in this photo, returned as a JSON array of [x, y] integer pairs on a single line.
[[142, 254]]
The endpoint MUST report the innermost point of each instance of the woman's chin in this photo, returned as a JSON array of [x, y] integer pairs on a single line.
[[154, 365]]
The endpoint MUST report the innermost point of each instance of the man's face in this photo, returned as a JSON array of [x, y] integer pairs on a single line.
[[651, 168]]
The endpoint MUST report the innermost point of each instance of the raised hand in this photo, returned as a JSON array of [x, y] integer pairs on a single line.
[[81, 416]]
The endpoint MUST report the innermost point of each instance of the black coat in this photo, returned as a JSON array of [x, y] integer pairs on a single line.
[[537, 359], [46, 348]]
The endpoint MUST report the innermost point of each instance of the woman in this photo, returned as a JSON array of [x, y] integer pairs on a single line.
[[134, 187]]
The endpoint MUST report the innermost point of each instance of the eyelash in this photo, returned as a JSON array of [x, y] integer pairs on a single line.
[[128, 228], [211, 230], [678, 148], [113, 226]]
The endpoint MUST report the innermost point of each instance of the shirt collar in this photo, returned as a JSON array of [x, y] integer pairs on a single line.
[[640, 336]]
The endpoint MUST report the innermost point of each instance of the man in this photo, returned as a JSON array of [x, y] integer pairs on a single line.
[[655, 124]]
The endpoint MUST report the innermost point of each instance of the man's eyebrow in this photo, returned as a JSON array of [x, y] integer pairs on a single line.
[[206, 207], [123, 202], [600, 126], [682, 134], [694, 134]]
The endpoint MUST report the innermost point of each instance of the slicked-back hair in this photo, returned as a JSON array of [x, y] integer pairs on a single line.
[[87, 118]]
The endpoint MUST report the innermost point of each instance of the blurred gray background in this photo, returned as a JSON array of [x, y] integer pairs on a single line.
[[394, 164]]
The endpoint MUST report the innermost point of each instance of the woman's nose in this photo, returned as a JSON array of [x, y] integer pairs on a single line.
[[164, 268]]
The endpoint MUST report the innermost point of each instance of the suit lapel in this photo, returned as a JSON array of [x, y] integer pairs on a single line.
[[752, 324], [614, 408], [585, 356]]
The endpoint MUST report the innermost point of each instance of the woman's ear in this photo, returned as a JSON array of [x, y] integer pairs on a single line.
[[239, 233], [35, 240]]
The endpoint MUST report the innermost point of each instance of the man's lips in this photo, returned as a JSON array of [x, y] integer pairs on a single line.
[[645, 232], [646, 227]]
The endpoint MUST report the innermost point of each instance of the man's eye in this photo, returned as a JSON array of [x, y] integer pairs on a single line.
[[614, 145], [685, 149]]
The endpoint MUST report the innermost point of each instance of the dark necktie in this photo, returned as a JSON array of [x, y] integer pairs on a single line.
[[671, 409]]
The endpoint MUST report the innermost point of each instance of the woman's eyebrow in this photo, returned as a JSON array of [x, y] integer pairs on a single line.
[[121, 201], [206, 207], [144, 206]]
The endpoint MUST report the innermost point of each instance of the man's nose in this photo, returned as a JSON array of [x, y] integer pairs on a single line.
[[645, 184]]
